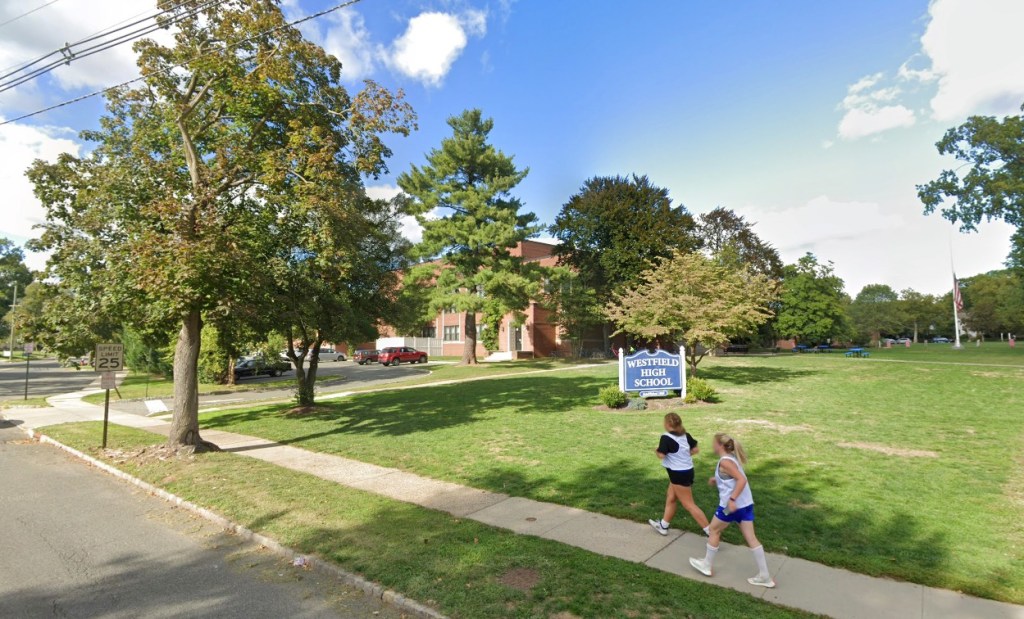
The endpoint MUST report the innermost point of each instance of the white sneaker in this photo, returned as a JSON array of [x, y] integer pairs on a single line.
[[757, 581], [656, 525], [701, 566]]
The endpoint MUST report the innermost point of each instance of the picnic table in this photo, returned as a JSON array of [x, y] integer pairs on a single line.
[[857, 352], [800, 348], [824, 348]]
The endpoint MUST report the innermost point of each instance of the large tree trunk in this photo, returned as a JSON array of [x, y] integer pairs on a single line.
[[185, 422], [229, 378], [305, 394], [469, 340], [915, 332], [606, 337]]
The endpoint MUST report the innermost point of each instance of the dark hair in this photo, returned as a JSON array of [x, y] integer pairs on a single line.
[[675, 422]]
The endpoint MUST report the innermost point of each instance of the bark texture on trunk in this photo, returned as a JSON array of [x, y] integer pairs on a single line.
[[469, 340], [305, 394], [185, 421], [229, 378]]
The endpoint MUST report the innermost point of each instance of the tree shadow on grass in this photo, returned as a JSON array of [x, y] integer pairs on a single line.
[[752, 375], [790, 518], [403, 412]]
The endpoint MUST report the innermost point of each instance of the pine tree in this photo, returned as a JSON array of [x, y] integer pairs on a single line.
[[471, 222]]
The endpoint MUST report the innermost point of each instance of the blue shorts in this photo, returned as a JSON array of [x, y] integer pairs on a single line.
[[743, 514]]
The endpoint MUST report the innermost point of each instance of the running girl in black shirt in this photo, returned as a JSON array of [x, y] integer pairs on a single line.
[[675, 452]]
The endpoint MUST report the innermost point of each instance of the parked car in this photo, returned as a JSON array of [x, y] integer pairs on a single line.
[[902, 340], [888, 341], [362, 357], [401, 354], [940, 340], [329, 354], [255, 366]]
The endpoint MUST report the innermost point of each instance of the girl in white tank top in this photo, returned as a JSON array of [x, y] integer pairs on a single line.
[[735, 504]]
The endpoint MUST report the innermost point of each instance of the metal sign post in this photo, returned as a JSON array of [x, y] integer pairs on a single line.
[[108, 359], [29, 347]]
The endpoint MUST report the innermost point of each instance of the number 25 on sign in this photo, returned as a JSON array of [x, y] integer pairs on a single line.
[[109, 357]]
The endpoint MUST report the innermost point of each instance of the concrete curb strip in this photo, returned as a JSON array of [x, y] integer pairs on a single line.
[[389, 597]]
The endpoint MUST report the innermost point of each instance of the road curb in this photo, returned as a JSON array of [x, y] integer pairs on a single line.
[[372, 589]]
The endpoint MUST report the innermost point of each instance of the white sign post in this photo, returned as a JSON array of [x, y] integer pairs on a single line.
[[109, 359]]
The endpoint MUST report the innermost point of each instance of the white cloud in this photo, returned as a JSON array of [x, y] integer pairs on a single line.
[[345, 36], [893, 244], [869, 109], [72, 20], [974, 48], [408, 226], [20, 145], [432, 42], [868, 120]]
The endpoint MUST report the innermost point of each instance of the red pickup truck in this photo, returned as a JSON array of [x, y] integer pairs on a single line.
[[401, 354]]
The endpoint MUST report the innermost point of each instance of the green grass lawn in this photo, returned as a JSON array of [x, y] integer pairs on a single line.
[[134, 387], [998, 353], [909, 470], [454, 564], [20, 402]]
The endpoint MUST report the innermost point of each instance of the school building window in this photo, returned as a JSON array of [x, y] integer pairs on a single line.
[[428, 332], [451, 333]]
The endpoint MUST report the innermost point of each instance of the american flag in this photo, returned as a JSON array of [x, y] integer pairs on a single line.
[[958, 299]]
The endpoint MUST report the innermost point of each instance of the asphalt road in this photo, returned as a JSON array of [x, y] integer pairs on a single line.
[[75, 542], [45, 378]]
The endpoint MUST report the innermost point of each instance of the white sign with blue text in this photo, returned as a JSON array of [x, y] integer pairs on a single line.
[[652, 374]]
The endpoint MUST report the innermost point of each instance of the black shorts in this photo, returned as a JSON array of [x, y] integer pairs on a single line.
[[680, 478]]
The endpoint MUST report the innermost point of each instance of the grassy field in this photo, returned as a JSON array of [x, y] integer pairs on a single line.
[[464, 568], [910, 470], [19, 402], [134, 387]]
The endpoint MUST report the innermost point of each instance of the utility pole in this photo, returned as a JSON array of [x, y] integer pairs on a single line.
[[14, 303]]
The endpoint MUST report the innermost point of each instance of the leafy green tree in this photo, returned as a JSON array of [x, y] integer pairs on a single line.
[[693, 300], [993, 185], [616, 228], [920, 310], [166, 219], [13, 271], [574, 306], [462, 198], [876, 310], [811, 307], [729, 237], [993, 303], [335, 283]]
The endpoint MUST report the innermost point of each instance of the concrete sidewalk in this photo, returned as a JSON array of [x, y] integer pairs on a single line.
[[801, 584]]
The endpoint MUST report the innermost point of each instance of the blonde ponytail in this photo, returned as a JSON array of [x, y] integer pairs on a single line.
[[731, 446]]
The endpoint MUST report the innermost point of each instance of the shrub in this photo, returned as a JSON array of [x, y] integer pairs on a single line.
[[689, 399], [700, 390], [637, 404], [611, 397]]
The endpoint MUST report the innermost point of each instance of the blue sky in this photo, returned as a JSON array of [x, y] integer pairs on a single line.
[[814, 119]]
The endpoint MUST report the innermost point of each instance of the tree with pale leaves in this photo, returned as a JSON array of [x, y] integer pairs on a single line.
[[695, 301]]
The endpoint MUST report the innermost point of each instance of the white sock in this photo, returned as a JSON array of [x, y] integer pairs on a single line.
[[762, 562], [707, 530], [664, 523], [710, 556]]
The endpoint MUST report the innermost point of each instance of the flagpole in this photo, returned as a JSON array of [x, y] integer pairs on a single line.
[[956, 292]]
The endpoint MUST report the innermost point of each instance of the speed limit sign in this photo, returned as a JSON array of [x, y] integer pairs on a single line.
[[109, 357]]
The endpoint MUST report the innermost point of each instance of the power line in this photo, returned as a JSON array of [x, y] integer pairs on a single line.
[[90, 95], [68, 55], [26, 13]]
